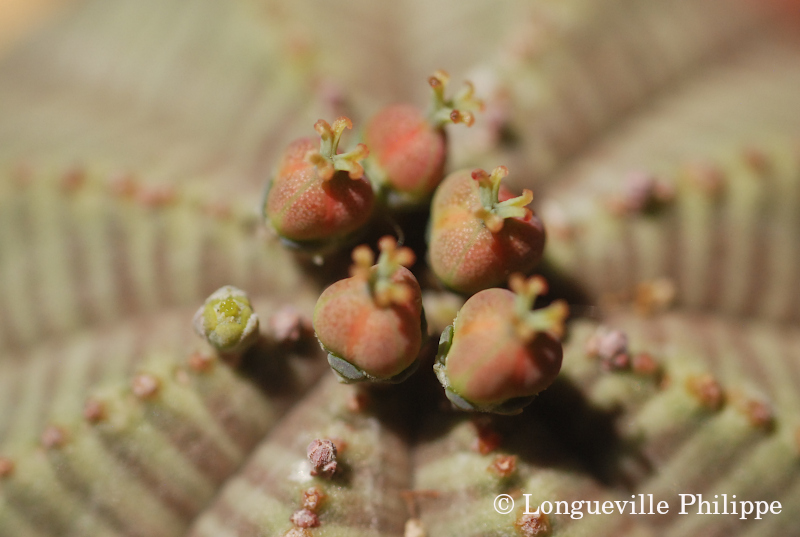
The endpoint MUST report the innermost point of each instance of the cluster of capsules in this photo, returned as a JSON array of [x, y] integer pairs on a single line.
[[498, 353]]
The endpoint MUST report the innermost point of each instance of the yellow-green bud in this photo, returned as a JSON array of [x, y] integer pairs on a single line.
[[227, 320]]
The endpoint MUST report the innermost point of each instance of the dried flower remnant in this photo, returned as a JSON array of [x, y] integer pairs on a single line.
[[313, 498], [758, 413], [322, 454], [498, 354], [408, 149], [227, 321], [480, 233], [642, 193], [504, 466], [707, 391], [611, 347], [533, 525], [305, 519], [372, 324]]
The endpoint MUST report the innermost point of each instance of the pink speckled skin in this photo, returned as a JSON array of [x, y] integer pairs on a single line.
[[463, 253], [380, 341], [302, 207], [488, 363], [407, 149]]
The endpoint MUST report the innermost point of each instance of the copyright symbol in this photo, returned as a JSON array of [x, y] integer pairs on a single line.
[[504, 504]]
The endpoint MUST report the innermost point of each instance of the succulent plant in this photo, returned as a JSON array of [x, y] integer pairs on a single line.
[[136, 141]]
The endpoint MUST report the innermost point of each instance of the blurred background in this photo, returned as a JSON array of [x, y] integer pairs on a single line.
[[18, 18]]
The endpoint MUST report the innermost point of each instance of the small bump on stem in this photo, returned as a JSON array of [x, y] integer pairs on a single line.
[[528, 323], [313, 498], [706, 390], [611, 347], [157, 196], [645, 365], [201, 363], [73, 179], [123, 185], [94, 411], [642, 193], [758, 413], [487, 438], [533, 525], [304, 518], [757, 160], [491, 210], [217, 209], [53, 437], [327, 160], [145, 386], [504, 466]]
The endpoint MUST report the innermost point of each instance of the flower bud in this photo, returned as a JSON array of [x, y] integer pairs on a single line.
[[227, 321]]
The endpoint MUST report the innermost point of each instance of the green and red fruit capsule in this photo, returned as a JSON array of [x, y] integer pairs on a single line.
[[408, 149], [372, 324], [499, 354], [480, 233], [319, 198]]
